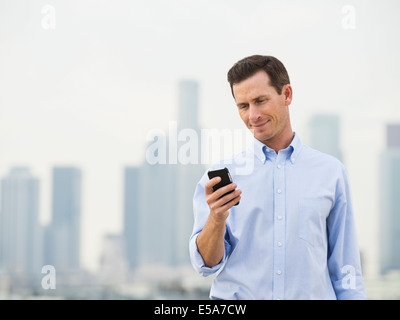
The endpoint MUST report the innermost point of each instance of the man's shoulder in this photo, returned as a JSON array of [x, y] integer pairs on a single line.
[[234, 159], [238, 163], [317, 157]]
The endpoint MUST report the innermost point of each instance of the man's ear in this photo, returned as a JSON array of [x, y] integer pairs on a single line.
[[287, 91]]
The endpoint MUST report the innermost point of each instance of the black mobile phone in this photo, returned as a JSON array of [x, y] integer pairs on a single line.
[[225, 179]]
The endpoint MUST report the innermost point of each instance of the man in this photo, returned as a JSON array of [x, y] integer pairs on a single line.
[[292, 235]]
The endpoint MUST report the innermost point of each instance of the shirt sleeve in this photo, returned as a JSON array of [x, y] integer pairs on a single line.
[[343, 252], [201, 212]]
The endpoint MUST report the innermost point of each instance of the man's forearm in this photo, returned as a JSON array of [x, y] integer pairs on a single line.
[[210, 241]]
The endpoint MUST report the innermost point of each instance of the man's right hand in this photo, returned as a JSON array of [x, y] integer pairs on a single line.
[[219, 206], [210, 241]]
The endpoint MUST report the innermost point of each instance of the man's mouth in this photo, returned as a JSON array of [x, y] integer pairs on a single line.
[[259, 125]]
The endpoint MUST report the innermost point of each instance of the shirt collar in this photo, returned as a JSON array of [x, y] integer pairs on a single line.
[[296, 148], [262, 151]]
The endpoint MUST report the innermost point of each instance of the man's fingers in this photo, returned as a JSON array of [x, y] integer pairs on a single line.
[[220, 203], [221, 191], [210, 184], [214, 196], [222, 199], [230, 203]]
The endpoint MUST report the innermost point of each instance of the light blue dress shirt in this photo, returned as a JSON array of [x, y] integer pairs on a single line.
[[293, 234]]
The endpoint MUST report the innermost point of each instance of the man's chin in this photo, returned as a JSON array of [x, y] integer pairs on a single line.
[[262, 136]]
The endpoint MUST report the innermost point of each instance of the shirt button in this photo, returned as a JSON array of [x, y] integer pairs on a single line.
[[279, 272], [279, 191], [279, 166], [279, 217], [279, 244]]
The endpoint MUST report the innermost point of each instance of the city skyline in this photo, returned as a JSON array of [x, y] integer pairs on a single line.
[[116, 254], [327, 127], [134, 175], [86, 88]]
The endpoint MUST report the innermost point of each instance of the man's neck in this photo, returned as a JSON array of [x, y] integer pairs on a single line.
[[280, 142]]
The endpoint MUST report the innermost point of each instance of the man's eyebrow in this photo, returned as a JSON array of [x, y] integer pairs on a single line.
[[263, 96]]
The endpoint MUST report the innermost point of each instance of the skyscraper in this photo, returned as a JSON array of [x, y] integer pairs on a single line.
[[158, 211], [188, 104], [187, 174], [389, 215], [20, 230], [131, 226], [324, 134], [64, 230]]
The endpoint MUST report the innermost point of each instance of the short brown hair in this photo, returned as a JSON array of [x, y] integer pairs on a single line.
[[250, 65]]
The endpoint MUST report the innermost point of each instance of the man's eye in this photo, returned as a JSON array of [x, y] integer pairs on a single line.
[[243, 106]]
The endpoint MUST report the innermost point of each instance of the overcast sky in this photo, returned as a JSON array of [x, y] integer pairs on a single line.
[[86, 87]]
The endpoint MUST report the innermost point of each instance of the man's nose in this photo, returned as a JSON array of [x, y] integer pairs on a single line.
[[254, 113]]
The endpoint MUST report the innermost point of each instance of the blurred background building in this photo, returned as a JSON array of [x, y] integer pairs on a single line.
[[21, 236], [389, 214], [158, 211], [63, 233], [324, 134]]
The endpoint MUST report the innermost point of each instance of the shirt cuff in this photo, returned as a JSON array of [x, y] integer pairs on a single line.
[[198, 262]]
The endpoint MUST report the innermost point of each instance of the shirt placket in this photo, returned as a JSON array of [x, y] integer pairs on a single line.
[[279, 227]]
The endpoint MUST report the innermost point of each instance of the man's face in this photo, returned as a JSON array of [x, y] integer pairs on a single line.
[[261, 108]]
